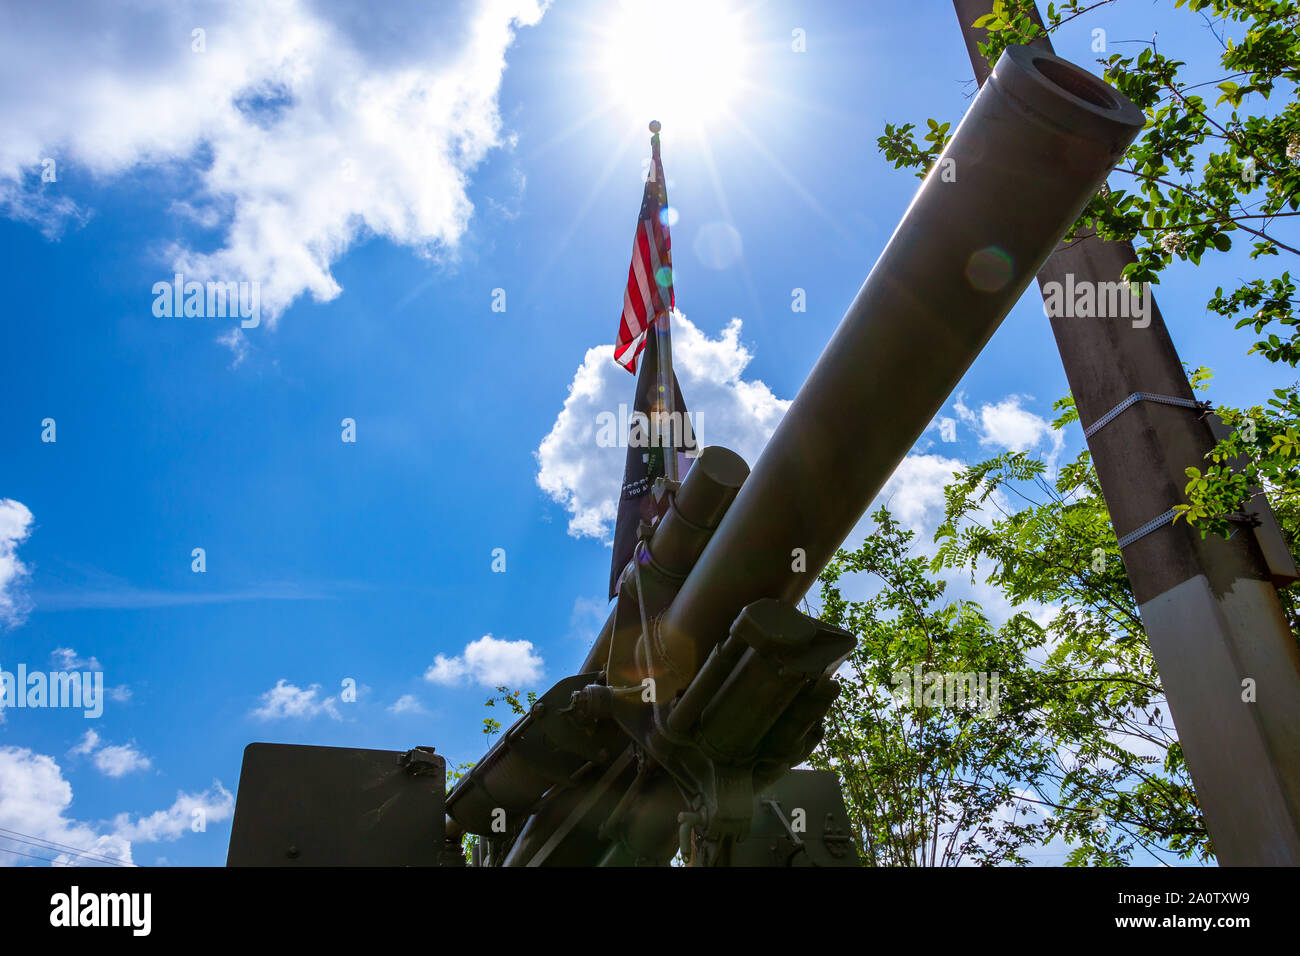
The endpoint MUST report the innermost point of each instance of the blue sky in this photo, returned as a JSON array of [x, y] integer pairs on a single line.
[[314, 155]]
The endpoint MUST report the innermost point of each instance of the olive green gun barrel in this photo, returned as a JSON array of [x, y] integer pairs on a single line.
[[1036, 144], [1038, 140]]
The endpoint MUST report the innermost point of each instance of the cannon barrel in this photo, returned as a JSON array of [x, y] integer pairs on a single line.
[[1037, 142]]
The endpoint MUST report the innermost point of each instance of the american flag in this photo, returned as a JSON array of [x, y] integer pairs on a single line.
[[649, 292]]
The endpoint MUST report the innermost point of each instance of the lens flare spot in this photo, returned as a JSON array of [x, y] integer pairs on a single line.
[[989, 269]]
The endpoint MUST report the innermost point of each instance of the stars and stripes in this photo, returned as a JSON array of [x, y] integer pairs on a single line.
[[645, 327], [649, 292]]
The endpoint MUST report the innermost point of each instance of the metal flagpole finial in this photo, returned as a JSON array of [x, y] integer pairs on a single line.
[[655, 126]]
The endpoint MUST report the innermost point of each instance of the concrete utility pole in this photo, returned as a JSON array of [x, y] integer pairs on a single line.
[[1209, 606]]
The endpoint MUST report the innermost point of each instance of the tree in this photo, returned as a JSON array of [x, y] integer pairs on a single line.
[[1081, 735], [1200, 177], [928, 781], [1100, 688]]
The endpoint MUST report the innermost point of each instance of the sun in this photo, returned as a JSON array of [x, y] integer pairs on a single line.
[[682, 62]]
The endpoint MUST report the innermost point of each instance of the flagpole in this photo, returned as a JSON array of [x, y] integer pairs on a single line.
[[663, 330]]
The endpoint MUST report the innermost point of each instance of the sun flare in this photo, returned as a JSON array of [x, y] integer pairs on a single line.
[[679, 61]]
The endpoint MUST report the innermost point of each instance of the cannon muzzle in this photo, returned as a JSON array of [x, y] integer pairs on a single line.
[[1039, 139]]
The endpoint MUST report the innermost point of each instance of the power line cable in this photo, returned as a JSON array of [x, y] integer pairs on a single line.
[[32, 856], [44, 844]]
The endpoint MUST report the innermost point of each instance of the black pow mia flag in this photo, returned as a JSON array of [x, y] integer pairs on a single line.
[[645, 457]]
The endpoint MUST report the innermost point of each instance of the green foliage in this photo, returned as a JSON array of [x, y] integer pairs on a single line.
[[928, 785], [902, 149], [1082, 733], [511, 699], [1269, 302], [514, 700], [1119, 766], [1262, 453]]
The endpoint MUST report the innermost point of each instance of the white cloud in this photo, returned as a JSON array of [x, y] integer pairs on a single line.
[[49, 214], [66, 659], [112, 760], [490, 662], [237, 342], [1008, 425], [15, 526], [210, 806], [34, 798], [727, 409], [87, 745], [34, 801], [120, 759], [585, 478], [914, 494], [286, 700], [407, 704], [302, 127]]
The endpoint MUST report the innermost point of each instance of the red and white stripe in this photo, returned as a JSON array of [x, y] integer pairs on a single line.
[[644, 300]]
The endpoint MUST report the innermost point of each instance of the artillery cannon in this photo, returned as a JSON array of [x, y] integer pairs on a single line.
[[706, 684]]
